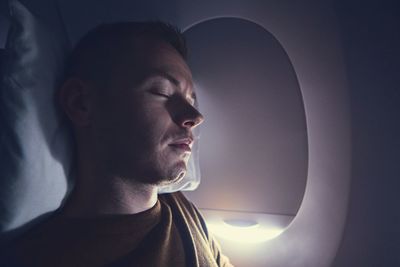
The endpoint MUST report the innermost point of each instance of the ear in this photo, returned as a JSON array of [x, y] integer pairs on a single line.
[[74, 97]]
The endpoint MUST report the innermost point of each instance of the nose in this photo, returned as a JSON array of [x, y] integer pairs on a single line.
[[191, 118]]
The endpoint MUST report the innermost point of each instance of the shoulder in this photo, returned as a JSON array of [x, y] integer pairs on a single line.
[[193, 219], [182, 206], [179, 200]]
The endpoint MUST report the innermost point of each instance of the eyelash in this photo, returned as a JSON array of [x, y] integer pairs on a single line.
[[168, 96], [161, 94]]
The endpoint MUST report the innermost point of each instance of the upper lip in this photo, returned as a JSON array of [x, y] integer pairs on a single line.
[[183, 141]]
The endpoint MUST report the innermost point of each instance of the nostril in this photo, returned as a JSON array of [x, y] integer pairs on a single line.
[[189, 123]]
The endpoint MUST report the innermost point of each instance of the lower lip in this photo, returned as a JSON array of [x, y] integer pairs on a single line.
[[182, 147]]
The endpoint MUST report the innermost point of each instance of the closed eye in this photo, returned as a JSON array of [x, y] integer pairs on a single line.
[[191, 100], [157, 93]]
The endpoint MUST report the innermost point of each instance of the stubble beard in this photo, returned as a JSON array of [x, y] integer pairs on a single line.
[[157, 171]]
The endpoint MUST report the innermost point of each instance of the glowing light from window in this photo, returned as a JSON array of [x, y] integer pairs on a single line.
[[243, 231]]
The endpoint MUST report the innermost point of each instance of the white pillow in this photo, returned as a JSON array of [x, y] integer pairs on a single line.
[[35, 148], [35, 144]]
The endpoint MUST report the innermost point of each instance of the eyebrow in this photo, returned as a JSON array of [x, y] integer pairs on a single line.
[[165, 75]]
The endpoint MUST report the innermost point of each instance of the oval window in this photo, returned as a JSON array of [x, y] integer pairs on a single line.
[[253, 145]]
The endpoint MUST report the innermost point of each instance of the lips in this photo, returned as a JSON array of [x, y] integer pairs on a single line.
[[183, 144]]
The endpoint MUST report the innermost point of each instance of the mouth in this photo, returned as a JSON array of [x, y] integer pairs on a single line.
[[184, 144]]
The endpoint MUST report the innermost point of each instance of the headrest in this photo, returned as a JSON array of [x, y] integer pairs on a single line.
[[35, 147]]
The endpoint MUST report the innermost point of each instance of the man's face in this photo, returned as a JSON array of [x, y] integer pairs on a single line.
[[143, 120]]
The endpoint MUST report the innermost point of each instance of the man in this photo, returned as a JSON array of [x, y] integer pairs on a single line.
[[128, 94]]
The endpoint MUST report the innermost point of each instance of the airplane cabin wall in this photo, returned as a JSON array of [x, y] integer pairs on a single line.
[[371, 44]]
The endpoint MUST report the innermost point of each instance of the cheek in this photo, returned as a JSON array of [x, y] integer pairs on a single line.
[[149, 124], [137, 124]]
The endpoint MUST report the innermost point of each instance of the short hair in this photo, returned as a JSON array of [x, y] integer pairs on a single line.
[[93, 56]]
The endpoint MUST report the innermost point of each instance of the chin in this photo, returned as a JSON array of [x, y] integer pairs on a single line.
[[174, 176], [171, 180], [163, 175]]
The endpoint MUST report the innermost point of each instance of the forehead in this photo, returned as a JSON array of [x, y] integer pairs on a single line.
[[153, 58]]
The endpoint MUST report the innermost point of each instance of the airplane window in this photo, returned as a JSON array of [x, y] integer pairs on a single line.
[[253, 144]]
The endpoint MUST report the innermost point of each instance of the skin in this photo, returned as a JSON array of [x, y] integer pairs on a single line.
[[126, 131]]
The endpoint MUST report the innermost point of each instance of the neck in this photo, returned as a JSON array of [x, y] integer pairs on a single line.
[[96, 196]]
